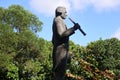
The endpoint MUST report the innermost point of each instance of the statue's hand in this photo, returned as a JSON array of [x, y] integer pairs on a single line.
[[76, 26]]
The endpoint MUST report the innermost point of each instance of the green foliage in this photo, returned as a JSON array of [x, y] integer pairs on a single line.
[[7, 36], [19, 18], [12, 71], [20, 54], [106, 53]]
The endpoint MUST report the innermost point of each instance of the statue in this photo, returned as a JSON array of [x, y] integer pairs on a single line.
[[60, 40]]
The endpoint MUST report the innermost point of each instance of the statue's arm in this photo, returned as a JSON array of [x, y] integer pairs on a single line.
[[62, 31]]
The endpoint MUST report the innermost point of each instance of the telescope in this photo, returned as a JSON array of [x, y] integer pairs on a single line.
[[79, 27]]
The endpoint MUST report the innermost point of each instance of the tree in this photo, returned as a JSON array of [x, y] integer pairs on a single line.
[[8, 42], [19, 46], [106, 53], [19, 18]]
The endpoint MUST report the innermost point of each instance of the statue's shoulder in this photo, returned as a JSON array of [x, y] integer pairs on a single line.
[[58, 19]]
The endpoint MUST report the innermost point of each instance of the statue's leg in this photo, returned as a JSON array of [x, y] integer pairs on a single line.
[[61, 62]]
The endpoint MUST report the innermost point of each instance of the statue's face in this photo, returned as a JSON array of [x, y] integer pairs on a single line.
[[64, 14]]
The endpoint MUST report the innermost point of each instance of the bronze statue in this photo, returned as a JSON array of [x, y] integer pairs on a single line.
[[60, 40]]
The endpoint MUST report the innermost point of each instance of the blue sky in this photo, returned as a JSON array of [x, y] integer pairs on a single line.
[[98, 18]]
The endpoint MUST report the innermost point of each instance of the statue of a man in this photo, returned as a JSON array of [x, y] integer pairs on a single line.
[[60, 40]]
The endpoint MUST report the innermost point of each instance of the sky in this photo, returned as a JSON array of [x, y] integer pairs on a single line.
[[100, 19]]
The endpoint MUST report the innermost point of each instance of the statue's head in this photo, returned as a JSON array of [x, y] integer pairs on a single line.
[[61, 11]]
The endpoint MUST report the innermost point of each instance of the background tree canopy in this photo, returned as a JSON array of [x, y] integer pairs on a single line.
[[24, 56], [19, 18]]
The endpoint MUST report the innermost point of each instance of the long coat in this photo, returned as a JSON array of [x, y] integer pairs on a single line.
[[60, 40]]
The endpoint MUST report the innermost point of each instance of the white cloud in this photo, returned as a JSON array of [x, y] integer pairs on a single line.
[[101, 5], [80, 4], [48, 6], [117, 34], [98, 5]]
